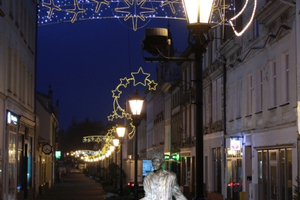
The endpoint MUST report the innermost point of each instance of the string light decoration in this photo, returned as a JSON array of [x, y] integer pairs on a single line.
[[250, 21], [137, 78], [140, 12]]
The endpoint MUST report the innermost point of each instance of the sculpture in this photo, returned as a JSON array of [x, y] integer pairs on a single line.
[[161, 184]]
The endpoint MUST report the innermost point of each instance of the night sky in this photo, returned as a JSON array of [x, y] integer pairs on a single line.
[[84, 61]]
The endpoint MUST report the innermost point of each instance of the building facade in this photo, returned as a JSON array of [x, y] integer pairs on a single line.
[[17, 102], [262, 105], [46, 170]]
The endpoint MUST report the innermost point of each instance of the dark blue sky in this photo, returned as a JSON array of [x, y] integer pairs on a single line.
[[83, 62]]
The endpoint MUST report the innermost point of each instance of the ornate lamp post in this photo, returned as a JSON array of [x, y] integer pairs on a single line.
[[136, 104], [198, 14], [121, 134]]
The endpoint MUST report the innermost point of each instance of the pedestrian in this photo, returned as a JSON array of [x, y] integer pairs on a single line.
[[161, 184], [62, 175]]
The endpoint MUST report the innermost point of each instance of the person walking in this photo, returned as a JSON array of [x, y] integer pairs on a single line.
[[62, 175]]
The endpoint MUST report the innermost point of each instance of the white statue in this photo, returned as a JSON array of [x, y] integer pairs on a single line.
[[161, 184]]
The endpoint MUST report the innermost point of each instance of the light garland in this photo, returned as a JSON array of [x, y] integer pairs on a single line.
[[137, 78], [139, 11], [250, 21]]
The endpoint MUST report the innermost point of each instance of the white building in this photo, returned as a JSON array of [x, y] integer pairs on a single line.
[[17, 104], [262, 104]]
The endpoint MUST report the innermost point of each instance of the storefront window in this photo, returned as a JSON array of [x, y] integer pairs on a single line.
[[275, 174], [234, 174], [29, 168], [217, 170], [12, 166]]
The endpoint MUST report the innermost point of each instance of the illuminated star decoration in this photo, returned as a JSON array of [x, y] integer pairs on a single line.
[[92, 138], [137, 78], [99, 3], [76, 10], [51, 7], [220, 7], [134, 4], [171, 4]]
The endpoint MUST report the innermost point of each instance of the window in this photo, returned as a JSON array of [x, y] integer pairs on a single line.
[[272, 84], [231, 101], [217, 99], [249, 94], [207, 105], [259, 91], [9, 66], [217, 158], [285, 78], [214, 101], [255, 29], [15, 72], [239, 98], [20, 80]]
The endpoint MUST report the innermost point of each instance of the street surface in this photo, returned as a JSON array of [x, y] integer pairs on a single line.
[[76, 186]]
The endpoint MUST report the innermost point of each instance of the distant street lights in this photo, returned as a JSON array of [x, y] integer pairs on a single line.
[[121, 134], [136, 104]]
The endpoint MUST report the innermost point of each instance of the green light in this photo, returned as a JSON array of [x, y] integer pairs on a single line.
[[167, 157], [176, 157], [57, 154]]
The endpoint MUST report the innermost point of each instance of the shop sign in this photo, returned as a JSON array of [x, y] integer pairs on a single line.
[[12, 118], [235, 144]]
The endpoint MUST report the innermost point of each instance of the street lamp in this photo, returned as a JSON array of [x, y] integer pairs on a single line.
[[136, 104], [121, 134], [198, 14]]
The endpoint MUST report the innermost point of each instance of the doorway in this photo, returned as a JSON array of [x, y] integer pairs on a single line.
[[275, 174]]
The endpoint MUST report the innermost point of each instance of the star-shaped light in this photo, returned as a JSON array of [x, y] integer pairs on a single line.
[[220, 7], [135, 15], [116, 93], [51, 5], [99, 3], [152, 85], [110, 117], [171, 4], [124, 82], [76, 10], [140, 72]]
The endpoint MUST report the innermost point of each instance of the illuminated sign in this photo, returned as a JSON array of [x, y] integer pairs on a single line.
[[57, 154], [176, 157], [12, 118], [235, 144]]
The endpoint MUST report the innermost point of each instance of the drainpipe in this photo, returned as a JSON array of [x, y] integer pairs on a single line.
[[225, 119]]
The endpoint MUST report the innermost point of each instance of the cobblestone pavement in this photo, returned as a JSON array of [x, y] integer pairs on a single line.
[[76, 186]]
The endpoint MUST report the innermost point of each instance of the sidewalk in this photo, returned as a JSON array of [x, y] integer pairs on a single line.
[[76, 186]]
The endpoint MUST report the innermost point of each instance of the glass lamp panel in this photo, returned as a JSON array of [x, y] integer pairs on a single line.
[[120, 131], [112, 148], [136, 106], [205, 11], [198, 11], [116, 142], [191, 10]]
